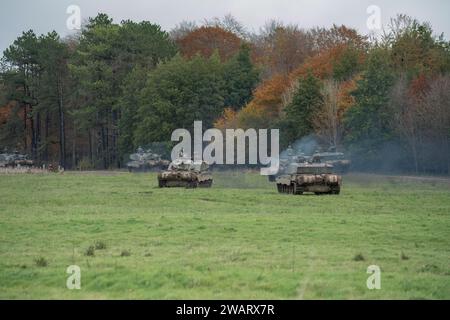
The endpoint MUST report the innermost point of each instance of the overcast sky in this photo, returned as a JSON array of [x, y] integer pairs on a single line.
[[46, 15]]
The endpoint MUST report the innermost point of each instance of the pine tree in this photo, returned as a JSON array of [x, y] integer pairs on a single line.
[[368, 121], [306, 100], [241, 78]]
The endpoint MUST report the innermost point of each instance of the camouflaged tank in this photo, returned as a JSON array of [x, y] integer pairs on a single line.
[[184, 172], [337, 159], [309, 177], [23, 160], [15, 160], [145, 161]]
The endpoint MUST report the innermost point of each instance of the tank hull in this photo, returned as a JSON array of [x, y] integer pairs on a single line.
[[184, 179], [301, 183]]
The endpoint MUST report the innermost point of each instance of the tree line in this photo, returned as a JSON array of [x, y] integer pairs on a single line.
[[88, 100]]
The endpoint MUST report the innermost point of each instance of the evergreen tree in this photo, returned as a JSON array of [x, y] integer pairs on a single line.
[[176, 94], [305, 101], [368, 121], [53, 91], [20, 77], [347, 65], [102, 66], [241, 78], [132, 87]]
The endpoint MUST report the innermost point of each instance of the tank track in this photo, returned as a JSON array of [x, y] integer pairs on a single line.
[[190, 185], [289, 189], [295, 189]]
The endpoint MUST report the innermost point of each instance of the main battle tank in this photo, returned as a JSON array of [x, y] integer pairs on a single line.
[[23, 160], [309, 177], [145, 161], [337, 159], [184, 172], [15, 160]]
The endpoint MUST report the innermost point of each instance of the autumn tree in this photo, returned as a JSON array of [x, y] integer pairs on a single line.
[[228, 120], [324, 39], [265, 108], [281, 48], [206, 40]]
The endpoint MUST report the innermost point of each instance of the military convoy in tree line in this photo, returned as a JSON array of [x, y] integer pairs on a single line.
[[297, 173]]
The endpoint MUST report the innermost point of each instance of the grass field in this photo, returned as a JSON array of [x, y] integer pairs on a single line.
[[239, 239]]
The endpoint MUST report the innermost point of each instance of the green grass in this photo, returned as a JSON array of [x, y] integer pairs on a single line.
[[239, 239]]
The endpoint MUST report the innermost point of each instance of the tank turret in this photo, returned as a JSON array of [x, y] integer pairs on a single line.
[[338, 160], [145, 160]]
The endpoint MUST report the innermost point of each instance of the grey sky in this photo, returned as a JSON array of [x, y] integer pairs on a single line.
[[45, 15]]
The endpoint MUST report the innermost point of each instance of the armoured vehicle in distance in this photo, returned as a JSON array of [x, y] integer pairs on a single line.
[[337, 159], [15, 160], [4, 160], [185, 172], [145, 161], [309, 177], [287, 158]]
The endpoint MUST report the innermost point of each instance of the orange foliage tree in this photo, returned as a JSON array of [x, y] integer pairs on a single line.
[[341, 63], [323, 65], [266, 105], [325, 39], [5, 112], [281, 49], [261, 111], [205, 40], [228, 120]]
